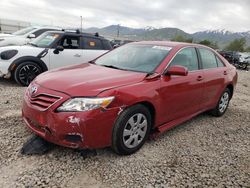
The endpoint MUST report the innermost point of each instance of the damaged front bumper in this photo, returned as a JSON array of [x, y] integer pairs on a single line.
[[90, 129]]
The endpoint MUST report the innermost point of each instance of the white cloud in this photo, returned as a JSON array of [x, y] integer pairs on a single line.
[[189, 15]]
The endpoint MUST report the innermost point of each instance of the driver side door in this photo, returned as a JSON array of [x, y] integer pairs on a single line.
[[70, 55]]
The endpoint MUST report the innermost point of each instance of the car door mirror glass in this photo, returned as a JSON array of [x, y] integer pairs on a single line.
[[177, 70], [58, 49]]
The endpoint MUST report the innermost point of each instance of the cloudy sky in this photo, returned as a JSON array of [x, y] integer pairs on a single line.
[[189, 15]]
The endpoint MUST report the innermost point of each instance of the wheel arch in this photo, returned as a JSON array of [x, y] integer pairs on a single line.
[[231, 89], [33, 59]]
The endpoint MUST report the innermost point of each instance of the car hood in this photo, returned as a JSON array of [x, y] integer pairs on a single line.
[[4, 35], [25, 50], [87, 79]]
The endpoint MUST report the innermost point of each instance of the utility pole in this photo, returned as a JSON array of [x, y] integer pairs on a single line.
[[118, 30], [81, 23]]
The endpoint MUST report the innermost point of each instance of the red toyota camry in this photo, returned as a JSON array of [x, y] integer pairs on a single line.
[[122, 97]]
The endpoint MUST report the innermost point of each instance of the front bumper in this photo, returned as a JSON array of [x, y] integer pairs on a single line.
[[4, 69], [91, 129]]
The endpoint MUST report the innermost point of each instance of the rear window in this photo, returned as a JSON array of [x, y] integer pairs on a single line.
[[208, 58], [219, 62], [92, 43]]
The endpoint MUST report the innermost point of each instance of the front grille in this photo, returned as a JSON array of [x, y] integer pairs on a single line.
[[43, 101]]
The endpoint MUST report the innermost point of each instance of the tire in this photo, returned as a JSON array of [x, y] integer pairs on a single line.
[[222, 104], [26, 72], [130, 132]]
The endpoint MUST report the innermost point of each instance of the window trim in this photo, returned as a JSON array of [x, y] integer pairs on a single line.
[[217, 57], [199, 63]]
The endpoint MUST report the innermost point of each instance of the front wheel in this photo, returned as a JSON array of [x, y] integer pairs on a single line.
[[131, 130], [26, 72], [222, 104]]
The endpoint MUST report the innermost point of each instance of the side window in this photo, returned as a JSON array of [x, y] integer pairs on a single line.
[[208, 58], [92, 43], [41, 31], [70, 42], [219, 62], [187, 58]]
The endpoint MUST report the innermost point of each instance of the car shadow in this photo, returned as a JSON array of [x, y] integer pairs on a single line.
[[8, 82]]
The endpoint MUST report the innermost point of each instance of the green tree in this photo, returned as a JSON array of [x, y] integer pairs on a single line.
[[180, 38], [237, 45], [247, 49], [210, 44]]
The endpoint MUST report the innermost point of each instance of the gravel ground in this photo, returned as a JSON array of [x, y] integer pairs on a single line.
[[203, 152]]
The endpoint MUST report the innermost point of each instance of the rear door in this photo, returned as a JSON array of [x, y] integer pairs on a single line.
[[214, 77], [71, 55], [93, 48], [182, 95]]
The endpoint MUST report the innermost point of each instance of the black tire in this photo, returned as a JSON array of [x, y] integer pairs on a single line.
[[218, 111], [26, 72], [118, 138]]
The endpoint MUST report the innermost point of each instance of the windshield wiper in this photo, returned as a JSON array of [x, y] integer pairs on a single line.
[[91, 62], [112, 66]]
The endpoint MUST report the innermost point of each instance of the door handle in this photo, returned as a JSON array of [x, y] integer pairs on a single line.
[[225, 72], [199, 78], [77, 55]]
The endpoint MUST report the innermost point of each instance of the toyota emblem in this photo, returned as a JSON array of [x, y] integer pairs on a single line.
[[33, 90]]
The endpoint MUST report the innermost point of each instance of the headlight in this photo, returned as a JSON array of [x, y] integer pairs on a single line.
[[6, 55], [84, 104]]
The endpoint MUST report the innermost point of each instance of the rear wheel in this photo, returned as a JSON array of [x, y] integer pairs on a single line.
[[223, 103], [131, 130], [26, 72]]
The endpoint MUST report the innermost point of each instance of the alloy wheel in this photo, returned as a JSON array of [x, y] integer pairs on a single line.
[[27, 73]]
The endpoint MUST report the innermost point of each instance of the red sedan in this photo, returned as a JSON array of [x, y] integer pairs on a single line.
[[119, 99]]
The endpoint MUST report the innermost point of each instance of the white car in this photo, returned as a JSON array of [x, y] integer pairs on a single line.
[[24, 36], [51, 50]]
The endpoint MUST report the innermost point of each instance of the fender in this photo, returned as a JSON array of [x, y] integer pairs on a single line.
[[20, 60]]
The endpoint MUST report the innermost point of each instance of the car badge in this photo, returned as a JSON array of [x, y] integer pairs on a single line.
[[33, 90]]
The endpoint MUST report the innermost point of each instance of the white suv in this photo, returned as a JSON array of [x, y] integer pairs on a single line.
[[24, 36], [51, 50]]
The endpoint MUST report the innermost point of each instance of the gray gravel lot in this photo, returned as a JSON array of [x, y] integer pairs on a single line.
[[203, 152]]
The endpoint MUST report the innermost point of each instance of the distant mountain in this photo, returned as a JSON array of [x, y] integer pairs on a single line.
[[222, 37], [112, 31], [163, 34]]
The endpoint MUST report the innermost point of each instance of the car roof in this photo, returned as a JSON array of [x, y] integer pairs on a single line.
[[168, 43], [78, 34], [46, 27]]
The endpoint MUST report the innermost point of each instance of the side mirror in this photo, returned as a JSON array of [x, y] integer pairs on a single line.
[[31, 36], [116, 46], [58, 49], [177, 70]]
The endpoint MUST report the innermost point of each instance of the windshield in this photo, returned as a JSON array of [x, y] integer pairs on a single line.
[[24, 31], [134, 57], [45, 40]]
